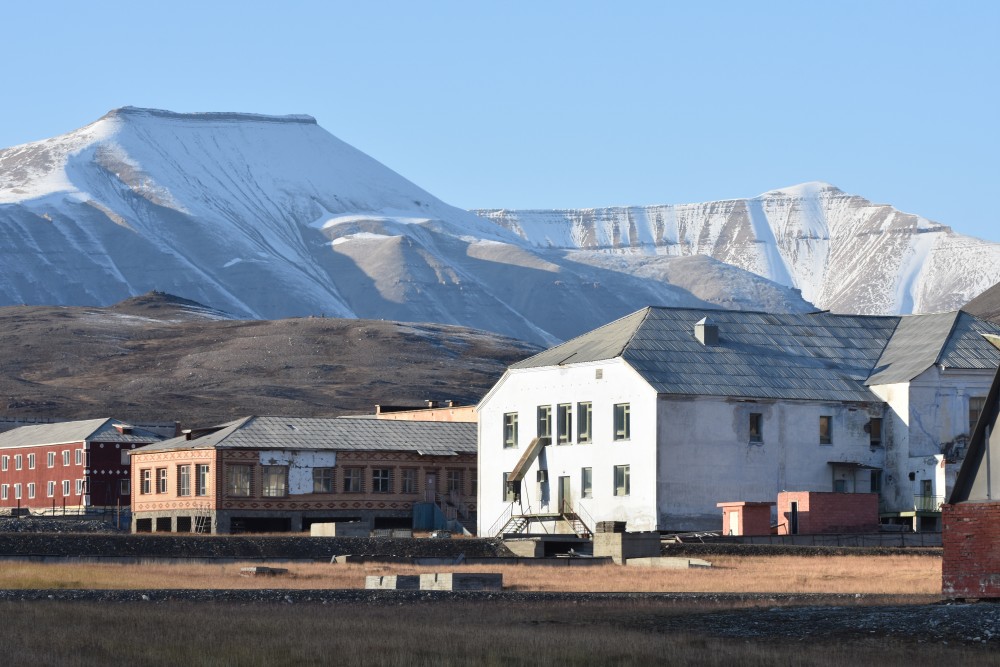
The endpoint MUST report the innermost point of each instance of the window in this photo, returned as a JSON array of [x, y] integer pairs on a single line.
[[756, 427], [976, 405], [564, 424], [275, 481], [65, 488], [544, 430], [584, 412], [124, 487], [161, 480], [622, 483], [474, 486], [586, 482], [4, 489], [31, 461], [80, 490], [623, 421], [65, 457], [202, 471], [238, 478], [183, 480], [353, 480], [51, 459], [875, 431], [455, 481], [409, 480], [322, 480], [875, 481], [79, 457], [381, 480], [510, 430], [511, 489], [840, 486], [17, 462], [31, 489], [17, 492], [50, 489], [147, 476], [4, 462], [825, 426]]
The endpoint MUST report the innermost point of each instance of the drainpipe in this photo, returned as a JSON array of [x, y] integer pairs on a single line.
[[989, 472]]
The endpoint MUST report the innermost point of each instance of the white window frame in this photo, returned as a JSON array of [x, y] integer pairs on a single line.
[[4, 463], [31, 462], [31, 490], [584, 422], [18, 461], [564, 423], [587, 482], [66, 488], [65, 458], [381, 480], [184, 480], [202, 476], [78, 457], [510, 430], [17, 492], [543, 423], [145, 481], [50, 459], [623, 422], [4, 491], [162, 477], [79, 487], [50, 490]]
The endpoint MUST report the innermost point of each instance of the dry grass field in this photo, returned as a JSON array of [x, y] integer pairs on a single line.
[[729, 574]]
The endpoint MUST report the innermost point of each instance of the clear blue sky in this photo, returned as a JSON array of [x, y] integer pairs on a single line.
[[559, 104]]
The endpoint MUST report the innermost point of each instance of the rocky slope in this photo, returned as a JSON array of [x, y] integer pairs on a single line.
[[842, 251]]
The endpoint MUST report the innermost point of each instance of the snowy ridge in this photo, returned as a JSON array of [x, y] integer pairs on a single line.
[[843, 252], [272, 217]]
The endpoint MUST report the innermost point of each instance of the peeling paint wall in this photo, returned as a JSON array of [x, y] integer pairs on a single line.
[[300, 466]]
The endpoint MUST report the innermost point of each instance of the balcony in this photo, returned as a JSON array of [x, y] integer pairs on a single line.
[[928, 503]]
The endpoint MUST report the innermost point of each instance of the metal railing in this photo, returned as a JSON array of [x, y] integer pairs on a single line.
[[505, 516], [928, 503]]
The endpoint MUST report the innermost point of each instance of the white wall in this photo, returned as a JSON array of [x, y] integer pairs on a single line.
[[300, 466], [522, 391], [707, 456]]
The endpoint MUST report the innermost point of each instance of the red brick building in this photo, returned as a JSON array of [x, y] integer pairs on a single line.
[[70, 465], [971, 519], [817, 513]]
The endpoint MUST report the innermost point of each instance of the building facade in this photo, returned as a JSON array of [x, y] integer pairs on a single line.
[[69, 466], [656, 418], [283, 474]]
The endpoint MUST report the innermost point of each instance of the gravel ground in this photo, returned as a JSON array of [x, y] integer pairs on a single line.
[[35, 524], [759, 616]]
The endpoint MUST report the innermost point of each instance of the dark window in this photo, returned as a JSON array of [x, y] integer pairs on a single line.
[[274, 481], [584, 414], [825, 430], [146, 477], [238, 479], [409, 480], [756, 427], [381, 480], [976, 405], [161, 480], [202, 472], [875, 431], [454, 481], [352, 480]]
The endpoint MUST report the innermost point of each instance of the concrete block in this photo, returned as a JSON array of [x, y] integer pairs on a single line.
[[669, 562], [340, 529], [461, 581], [526, 548], [622, 546], [393, 582]]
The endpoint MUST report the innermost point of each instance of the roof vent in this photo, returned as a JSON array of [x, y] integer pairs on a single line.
[[706, 331]]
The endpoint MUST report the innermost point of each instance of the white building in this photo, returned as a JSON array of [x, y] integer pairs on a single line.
[[655, 418]]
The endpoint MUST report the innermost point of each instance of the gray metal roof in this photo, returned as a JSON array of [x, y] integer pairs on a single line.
[[90, 430], [336, 434], [819, 356], [920, 341]]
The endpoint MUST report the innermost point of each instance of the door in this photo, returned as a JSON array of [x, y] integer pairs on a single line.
[[565, 505], [430, 487], [793, 519], [734, 523]]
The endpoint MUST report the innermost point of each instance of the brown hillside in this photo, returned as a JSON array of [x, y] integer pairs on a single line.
[[156, 357]]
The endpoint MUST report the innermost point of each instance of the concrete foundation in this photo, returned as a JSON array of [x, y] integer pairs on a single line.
[[342, 529], [393, 582], [464, 581], [620, 547]]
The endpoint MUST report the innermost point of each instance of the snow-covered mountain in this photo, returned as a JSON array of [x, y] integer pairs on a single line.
[[843, 252], [268, 217]]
